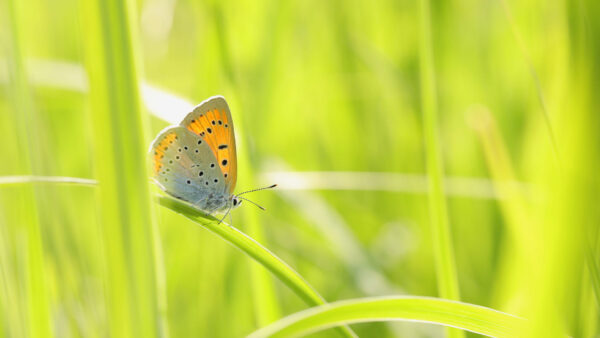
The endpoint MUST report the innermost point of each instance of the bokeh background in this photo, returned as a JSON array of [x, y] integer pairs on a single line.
[[327, 99]]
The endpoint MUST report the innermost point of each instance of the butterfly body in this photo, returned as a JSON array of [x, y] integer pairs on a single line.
[[195, 161]]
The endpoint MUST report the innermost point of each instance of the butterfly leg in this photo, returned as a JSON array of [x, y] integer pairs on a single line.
[[211, 212], [227, 213]]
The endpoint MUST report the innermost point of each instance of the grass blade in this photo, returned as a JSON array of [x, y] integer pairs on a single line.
[[253, 249], [465, 316], [266, 306], [535, 77], [120, 157], [444, 255], [31, 283]]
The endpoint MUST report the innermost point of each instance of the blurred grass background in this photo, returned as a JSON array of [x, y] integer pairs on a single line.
[[314, 86]]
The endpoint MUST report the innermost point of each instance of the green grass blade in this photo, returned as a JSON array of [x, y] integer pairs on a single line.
[[253, 249], [120, 157], [465, 316], [33, 288], [266, 306], [442, 241]]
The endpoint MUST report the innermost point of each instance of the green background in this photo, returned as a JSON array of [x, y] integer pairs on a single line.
[[330, 99]]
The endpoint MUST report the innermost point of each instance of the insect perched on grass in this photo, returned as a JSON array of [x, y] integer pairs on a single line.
[[196, 161]]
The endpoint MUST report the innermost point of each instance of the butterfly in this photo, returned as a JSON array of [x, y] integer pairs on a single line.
[[196, 161]]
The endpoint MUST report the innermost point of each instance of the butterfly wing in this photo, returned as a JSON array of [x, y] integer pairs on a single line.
[[185, 167], [211, 120]]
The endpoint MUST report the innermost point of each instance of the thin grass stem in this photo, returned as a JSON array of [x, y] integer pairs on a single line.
[[442, 241]]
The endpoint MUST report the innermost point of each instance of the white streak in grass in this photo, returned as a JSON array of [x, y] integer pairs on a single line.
[[72, 76], [157, 20], [381, 181], [9, 180], [164, 105]]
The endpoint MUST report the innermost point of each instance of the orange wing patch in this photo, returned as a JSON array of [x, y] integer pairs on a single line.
[[159, 150], [217, 131]]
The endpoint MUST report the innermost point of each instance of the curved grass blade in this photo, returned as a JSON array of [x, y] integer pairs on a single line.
[[474, 318], [253, 249]]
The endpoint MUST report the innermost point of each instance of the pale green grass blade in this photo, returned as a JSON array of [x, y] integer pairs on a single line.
[[29, 251], [571, 202], [253, 249], [515, 208], [442, 239], [125, 210], [465, 316], [265, 299], [266, 306], [535, 77]]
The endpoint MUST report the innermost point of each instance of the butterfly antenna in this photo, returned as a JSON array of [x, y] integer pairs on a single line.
[[259, 189], [245, 199]]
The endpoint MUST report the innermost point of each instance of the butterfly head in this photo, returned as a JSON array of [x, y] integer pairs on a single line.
[[235, 202]]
